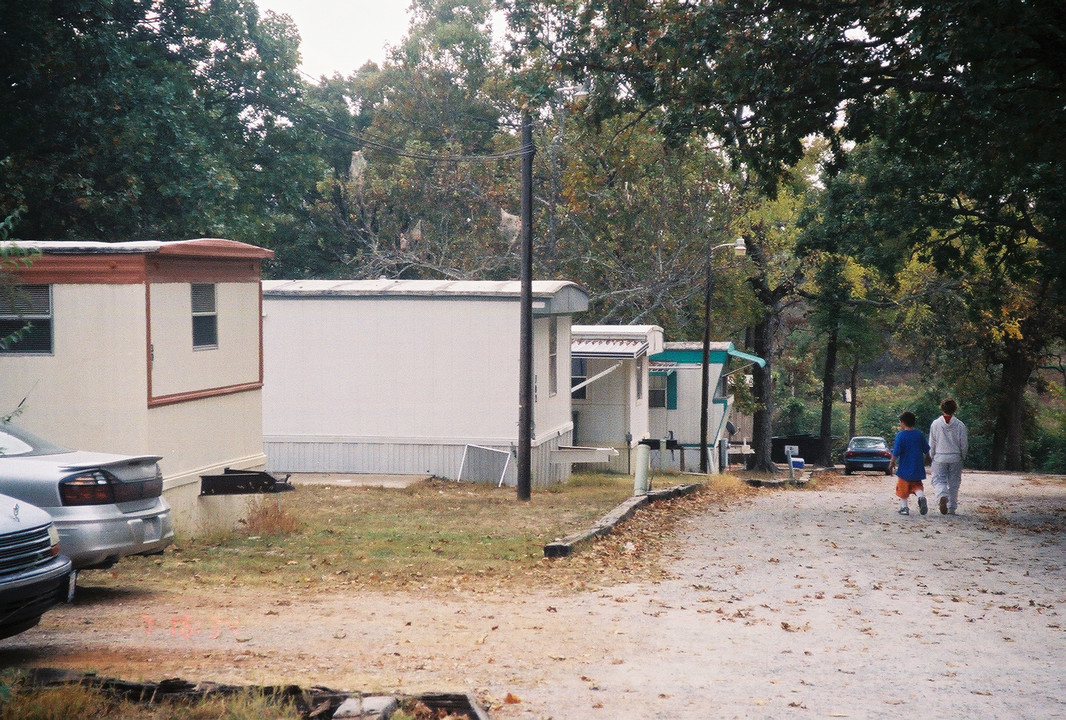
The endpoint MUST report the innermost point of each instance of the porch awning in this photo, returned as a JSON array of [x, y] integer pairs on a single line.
[[745, 356], [613, 348]]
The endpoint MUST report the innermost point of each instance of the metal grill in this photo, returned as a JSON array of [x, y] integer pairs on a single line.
[[25, 550]]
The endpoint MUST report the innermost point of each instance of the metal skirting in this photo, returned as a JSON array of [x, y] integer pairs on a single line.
[[396, 458], [484, 464]]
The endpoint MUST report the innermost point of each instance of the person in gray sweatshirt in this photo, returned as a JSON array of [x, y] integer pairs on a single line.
[[947, 448]]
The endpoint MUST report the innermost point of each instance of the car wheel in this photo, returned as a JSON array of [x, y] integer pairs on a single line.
[[847, 470]]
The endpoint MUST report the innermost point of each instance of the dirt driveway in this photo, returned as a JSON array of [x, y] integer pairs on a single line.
[[798, 603]]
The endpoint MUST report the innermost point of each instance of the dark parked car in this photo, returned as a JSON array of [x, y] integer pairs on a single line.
[[34, 577], [867, 453], [105, 506]]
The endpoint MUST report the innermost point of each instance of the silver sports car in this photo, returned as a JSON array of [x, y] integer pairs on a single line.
[[105, 506]]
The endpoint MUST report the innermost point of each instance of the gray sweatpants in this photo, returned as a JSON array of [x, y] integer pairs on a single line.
[[946, 478]]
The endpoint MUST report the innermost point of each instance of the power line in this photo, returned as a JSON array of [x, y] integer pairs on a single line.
[[329, 129], [336, 132]]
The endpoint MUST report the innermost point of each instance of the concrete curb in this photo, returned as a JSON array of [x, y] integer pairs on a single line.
[[564, 547], [802, 478]]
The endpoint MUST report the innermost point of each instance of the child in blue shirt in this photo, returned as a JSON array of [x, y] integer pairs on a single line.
[[908, 461]]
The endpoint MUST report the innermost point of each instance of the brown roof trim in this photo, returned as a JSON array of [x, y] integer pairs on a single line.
[[215, 248], [96, 263]]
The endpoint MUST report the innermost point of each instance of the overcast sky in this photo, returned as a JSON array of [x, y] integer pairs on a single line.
[[341, 35]]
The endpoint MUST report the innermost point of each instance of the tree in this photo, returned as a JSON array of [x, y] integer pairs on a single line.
[[963, 99], [986, 333], [775, 276], [423, 163], [147, 120], [617, 211], [630, 219]]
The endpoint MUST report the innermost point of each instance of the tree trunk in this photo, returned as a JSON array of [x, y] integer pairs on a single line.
[[852, 412], [762, 429], [825, 431], [1017, 369], [999, 439]]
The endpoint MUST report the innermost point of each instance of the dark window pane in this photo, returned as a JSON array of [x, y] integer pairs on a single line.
[[37, 340], [656, 390], [578, 374], [204, 331]]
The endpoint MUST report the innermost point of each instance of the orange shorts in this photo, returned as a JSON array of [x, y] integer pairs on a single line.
[[906, 488]]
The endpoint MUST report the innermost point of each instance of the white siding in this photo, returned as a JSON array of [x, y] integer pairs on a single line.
[[403, 384], [404, 368], [91, 393], [551, 412], [177, 367], [684, 422]]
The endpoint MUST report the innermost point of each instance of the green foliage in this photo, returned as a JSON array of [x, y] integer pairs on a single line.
[[795, 417], [149, 120], [955, 113]]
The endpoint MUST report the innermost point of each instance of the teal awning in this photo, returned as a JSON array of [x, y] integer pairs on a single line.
[[745, 356]]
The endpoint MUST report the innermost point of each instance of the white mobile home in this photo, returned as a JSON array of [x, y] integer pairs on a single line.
[[142, 348], [676, 395], [609, 386], [413, 376]]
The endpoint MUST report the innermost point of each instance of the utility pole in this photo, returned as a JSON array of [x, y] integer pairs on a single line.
[[525, 370]]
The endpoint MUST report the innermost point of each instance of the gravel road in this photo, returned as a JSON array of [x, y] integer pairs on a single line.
[[798, 603]]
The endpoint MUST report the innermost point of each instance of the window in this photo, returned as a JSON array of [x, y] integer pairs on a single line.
[[26, 320], [204, 316], [640, 377], [662, 389], [579, 373], [553, 356], [657, 390]]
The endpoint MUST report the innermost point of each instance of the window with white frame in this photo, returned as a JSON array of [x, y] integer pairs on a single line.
[[26, 320], [204, 316], [662, 389], [553, 356], [640, 377], [657, 390], [579, 373]]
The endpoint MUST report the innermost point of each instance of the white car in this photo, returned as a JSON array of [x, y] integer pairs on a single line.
[[105, 506], [33, 575]]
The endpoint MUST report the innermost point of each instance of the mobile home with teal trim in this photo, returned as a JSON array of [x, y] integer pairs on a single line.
[[675, 392]]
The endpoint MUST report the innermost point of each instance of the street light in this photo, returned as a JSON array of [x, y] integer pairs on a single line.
[[739, 249]]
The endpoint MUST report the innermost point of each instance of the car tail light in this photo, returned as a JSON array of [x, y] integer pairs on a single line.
[[88, 488], [98, 487]]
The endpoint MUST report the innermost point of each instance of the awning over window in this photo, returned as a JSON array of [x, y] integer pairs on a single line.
[[622, 342], [615, 348]]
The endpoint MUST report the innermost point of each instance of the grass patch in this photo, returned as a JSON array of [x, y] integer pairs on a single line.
[[19, 701], [434, 535]]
